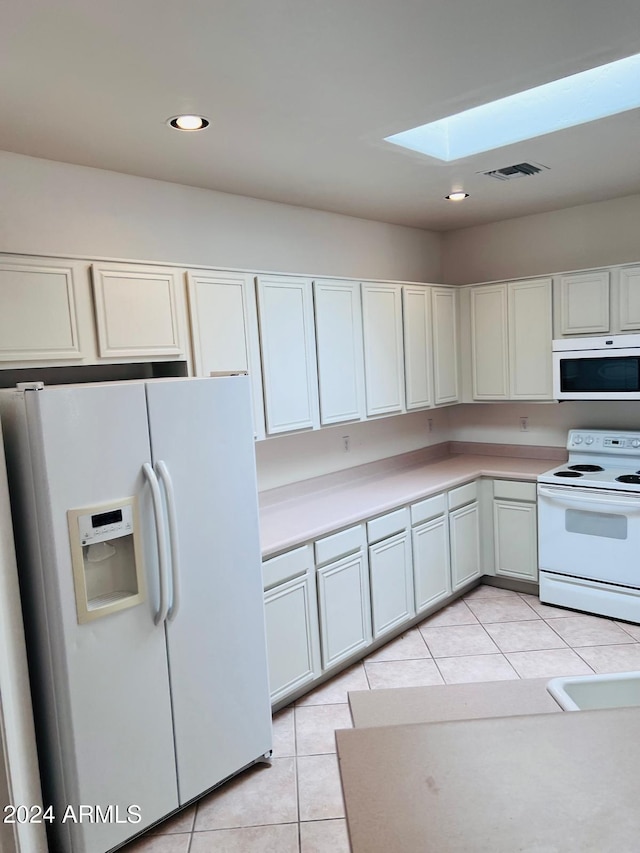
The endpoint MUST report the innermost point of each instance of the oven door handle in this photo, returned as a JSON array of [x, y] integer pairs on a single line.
[[579, 497]]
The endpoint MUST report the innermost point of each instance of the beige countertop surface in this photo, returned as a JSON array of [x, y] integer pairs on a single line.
[[296, 514], [544, 783], [435, 704]]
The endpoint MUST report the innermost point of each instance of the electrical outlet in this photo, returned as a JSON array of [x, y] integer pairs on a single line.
[[430, 424], [346, 443], [524, 424]]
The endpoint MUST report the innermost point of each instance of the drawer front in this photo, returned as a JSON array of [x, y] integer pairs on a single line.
[[429, 508], [514, 490], [387, 525], [339, 545], [463, 495], [286, 566]]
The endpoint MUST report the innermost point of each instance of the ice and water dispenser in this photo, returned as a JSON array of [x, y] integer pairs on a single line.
[[107, 558]]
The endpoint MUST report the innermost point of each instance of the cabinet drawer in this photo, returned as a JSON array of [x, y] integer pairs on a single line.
[[514, 490], [387, 525], [429, 508], [463, 495], [339, 545], [286, 566]]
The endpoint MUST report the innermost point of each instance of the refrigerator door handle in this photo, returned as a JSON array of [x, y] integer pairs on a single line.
[[165, 476], [163, 574]]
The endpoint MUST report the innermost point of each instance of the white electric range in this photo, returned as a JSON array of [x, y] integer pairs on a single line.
[[589, 526]]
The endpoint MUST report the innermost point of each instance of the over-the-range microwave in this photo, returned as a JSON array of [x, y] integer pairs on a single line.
[[605, 368]]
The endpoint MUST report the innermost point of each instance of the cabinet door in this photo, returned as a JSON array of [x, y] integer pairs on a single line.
[[489, 344], [530, 333], [224, 326], [338, 316], [391, 583], [344, 607], [138, 311], [445, 345], [516, 539], [629, 299], [383, 350], [431, 567], [465, 545], [38, 320], [416, 316], [293, 647], [584, 303], [288, 346]]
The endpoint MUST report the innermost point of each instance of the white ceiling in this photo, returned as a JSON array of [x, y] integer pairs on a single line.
[[300, 94]]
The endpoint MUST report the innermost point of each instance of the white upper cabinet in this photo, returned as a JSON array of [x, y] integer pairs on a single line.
[[287, 339], [139, 311], [628, 314], [39, 309], [598, 302], [418, 371], [489, 342], [224, 329], [530, 334], [511, 329], [383, 348], [338, 315], [583, 303], [445, 345]]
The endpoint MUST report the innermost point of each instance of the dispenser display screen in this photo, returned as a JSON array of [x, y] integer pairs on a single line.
[[114, 516]]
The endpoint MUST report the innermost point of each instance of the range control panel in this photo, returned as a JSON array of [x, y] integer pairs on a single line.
[[603, 441]]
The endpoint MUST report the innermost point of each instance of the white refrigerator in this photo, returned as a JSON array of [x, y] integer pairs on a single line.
[[138, 543]]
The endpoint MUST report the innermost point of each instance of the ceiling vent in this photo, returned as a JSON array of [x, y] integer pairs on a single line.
[[519, 170]]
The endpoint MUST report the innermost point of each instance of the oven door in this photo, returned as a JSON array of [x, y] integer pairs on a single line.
[[589, 533], [597, 374]]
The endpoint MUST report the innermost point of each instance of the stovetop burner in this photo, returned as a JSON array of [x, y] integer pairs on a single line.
[[586, 468], [629, 478], [572, 474]]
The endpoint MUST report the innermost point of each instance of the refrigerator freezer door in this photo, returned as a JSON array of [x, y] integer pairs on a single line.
[[107, 696], [202, 430]]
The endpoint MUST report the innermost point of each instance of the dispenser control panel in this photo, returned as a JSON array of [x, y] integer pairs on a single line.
[[110, 524]]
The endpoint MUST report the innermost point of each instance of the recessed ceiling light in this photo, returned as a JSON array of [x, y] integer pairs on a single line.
[[188, 122], [457, 196], [574, 100]]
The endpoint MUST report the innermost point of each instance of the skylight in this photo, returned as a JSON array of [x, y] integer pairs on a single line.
[[578, 99]]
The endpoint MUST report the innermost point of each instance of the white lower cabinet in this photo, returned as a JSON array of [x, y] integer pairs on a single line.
[[464, 537], [515, 530], [391, 572], [327, 603], [431, 564], [344, 609], [291, 615]]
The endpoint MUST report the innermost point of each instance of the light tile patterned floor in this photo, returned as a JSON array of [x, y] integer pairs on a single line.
[[295, 806]]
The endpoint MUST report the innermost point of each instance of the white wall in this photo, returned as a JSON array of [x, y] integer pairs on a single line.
[[56, 208], [592, 235], [548, 422], [287, 459]]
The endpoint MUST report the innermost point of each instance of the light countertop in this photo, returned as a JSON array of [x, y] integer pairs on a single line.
[[553, 782], [296, 514], [435, 704]]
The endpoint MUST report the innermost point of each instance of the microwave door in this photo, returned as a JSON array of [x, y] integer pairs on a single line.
[[597, 375]]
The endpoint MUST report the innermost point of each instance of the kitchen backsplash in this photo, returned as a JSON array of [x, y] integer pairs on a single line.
[[288, 459]]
